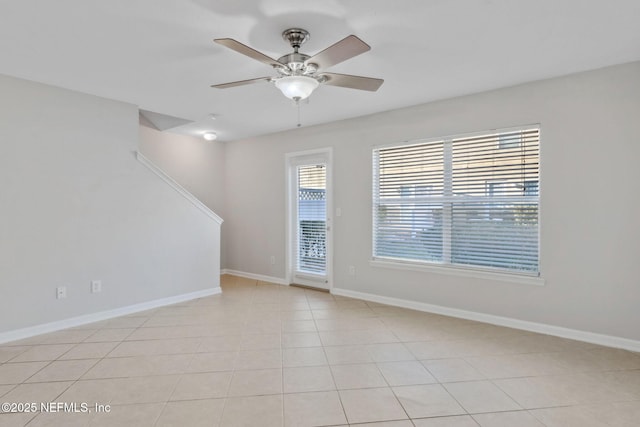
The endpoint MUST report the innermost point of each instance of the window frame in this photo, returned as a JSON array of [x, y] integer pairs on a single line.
[[446, 266]]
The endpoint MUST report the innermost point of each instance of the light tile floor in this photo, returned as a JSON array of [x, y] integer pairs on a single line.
[[268, 355]]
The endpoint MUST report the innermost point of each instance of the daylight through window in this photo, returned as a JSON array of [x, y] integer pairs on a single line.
[[469, 201]]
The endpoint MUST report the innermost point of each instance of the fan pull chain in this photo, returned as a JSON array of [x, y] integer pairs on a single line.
[[298, 106]]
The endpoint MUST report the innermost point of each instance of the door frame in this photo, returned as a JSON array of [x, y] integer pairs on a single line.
[[292, 160]]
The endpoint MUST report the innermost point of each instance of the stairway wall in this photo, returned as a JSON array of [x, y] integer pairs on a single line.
[[77, 206]]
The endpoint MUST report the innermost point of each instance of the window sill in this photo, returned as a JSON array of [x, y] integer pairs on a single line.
[[461, 272]]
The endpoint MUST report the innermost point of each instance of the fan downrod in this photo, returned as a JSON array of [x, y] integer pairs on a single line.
[[296, 37]]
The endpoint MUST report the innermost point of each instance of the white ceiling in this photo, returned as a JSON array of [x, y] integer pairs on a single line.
[[159, 54]]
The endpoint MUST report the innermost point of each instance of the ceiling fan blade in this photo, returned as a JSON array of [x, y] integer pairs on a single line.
[[345, 49], [246, 50], [241, 83], [353, 82]]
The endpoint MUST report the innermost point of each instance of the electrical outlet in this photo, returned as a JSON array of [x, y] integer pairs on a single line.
[[352, 270], [273, 260], [61, 292], [96, 286]]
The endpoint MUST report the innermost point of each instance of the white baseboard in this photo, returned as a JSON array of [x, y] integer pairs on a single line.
[[261, 277], [44, 328], [574, 334]]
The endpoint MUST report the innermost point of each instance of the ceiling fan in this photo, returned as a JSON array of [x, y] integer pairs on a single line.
[[298, 74]]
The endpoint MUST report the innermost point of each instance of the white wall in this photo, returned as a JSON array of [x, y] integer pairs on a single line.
[[192, 162], [196, 164], [76, 205], [590, 200]]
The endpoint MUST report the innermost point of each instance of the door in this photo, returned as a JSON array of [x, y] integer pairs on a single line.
[[309, 222]]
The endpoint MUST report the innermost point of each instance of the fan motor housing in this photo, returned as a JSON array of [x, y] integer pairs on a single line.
[[294, 60]]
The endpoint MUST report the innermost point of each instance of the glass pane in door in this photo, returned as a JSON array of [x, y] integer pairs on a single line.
[[311, 245]]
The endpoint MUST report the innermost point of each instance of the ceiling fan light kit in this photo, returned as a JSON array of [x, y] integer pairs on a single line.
[[297, 87], [299, 74]]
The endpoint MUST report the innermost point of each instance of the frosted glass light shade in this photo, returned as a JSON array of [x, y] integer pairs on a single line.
[[210, 136], [297, 87]]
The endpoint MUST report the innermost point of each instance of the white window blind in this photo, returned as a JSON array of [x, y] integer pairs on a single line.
[[468, 201]]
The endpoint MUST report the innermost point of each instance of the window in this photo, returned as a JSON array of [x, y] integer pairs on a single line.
[[509, 140], [469, 201], [312, 217]]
